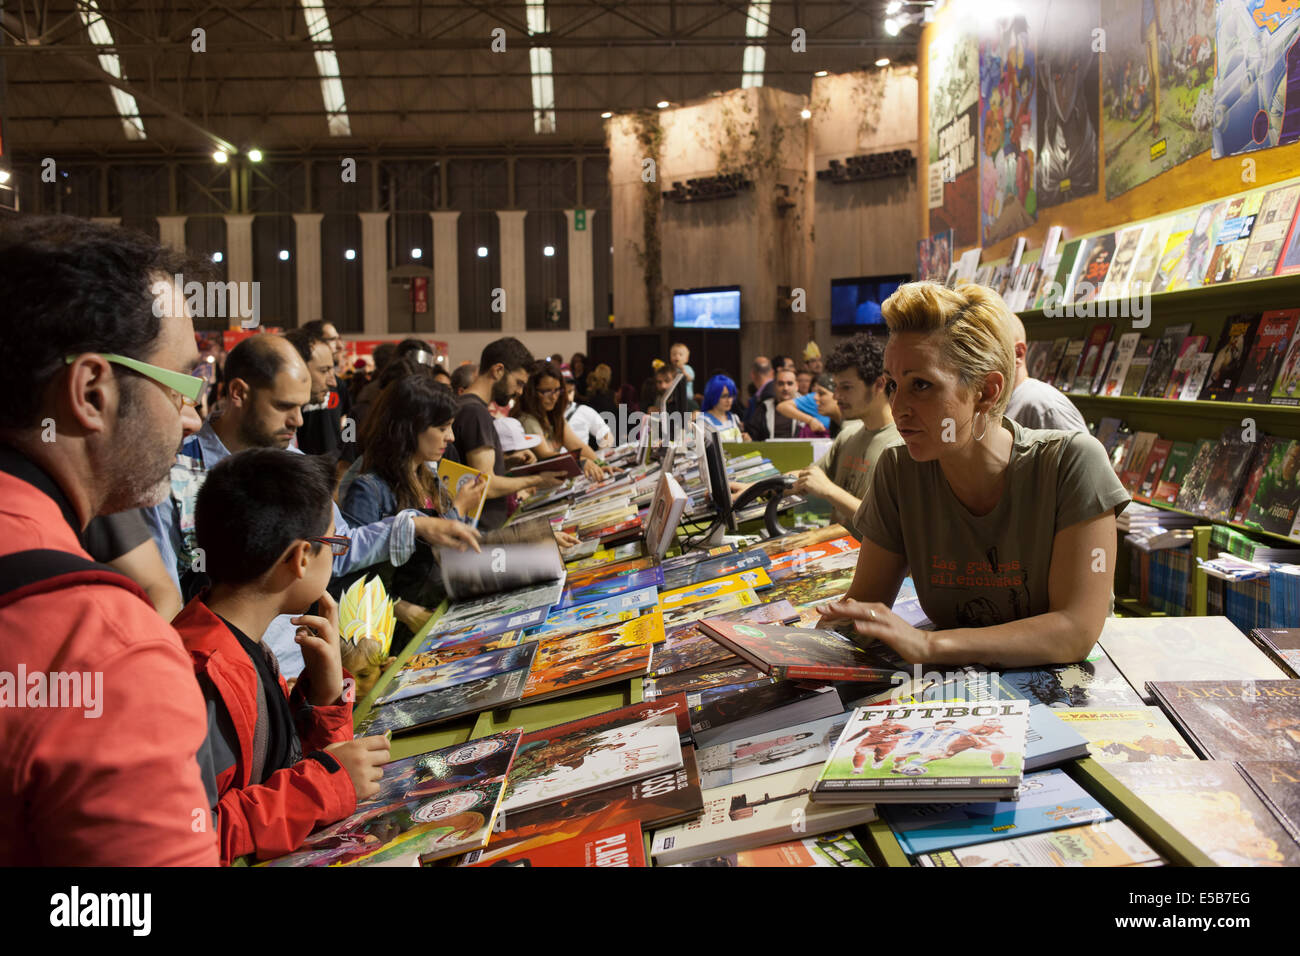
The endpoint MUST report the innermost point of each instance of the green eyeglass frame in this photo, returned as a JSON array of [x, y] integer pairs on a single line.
[[190, 387]]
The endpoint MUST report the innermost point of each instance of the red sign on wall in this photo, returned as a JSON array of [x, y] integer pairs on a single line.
[[420, 294]]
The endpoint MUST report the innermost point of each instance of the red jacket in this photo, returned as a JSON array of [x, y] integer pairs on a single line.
[[274, 817], [117, 783]]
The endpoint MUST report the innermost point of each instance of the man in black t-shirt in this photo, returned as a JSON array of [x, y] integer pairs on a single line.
[[503, 372], [321, 429]]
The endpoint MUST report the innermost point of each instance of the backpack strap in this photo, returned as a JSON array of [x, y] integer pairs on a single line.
[[39, 570]]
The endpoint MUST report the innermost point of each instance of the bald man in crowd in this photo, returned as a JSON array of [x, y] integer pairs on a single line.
[[1036, 404]]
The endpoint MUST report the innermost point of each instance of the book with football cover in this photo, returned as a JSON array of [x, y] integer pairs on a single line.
[[1276, 330], [1235, 720], [799, 653], [1125, 347], [1183, 649], [412, 683], [1047, 800], [1154, 468], [558, 769], [1210, 804], [653, 802], [787, 748], [1180, 459], [754, 813], [1259, 465], [427, 710], [1139, 365], [621, 846], [802, 539], [610, 587], [1268, 237], [1197, 374], [1103, 368], [1097, 340], [603, 613], [1192, 489], [1091, 683], [687, 647], [715, 568], [1108, 843], [829, 849], [1128, 734], [1188, 349], [1054, 359], [723, 714], [1277, 784], [1286, 386], [1282, 645], [1163, 359], [1069, 367], [724, 674], [1228, 470], [437, 805], [1229, 357], [959, 753]]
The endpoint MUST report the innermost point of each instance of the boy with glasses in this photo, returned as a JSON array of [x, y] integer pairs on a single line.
[[282, 764]]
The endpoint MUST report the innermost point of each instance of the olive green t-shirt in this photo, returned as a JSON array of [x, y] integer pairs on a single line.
[[852, 458], [974, 571]]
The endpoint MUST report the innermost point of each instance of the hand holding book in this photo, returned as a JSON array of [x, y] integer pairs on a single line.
[[874, 621]]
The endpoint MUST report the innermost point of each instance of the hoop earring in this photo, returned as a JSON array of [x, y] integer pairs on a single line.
[[983, 430]]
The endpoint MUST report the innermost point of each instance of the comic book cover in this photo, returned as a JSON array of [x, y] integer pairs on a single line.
[[687, 647], [818, 560], [963, 753], [829, 849], [1276, 503], [1109, 843], [606, 558], [733, 671], [787, 543], [1096, 267], [1171, 263], [736, 601], [1211, 805], [1235, 720], [1155, 467], [1008, 114], [433, 651], [414, 713], [1119, 277], [1277, 784], [1128, 734], [1147, 261], [620, 846], [621, 569], [1163, 359], [1195, 476], [1047, 800], [1253, 88], [610, 587], [954, 128], [754, 813], [603, 613], [813, 589], [1088, 684], [1286, 387], [1268, 237], [1191, 346], [789, 748], [753, 579], [436, 805], [1157, 87], [558, 768], [1068, 67], [1140, 363], [1276, 330], [525, 601], [715, 568], [1125, 348], [412, 683], [1227, 474], [1097, 339], [563, 650], [1190, 273], [453, 476], [800, 653], [653, 802], [1233, 238], [584, 673], [1182, 649], [1259, 465], [1199, 371]]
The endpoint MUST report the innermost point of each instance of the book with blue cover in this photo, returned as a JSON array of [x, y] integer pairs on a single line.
[[597, 590], [412, 683], [1049, 742], [1047, 800], [488, 627], [707, 570], [602, 613]]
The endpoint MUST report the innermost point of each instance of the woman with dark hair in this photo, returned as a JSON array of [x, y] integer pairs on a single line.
[[578, 369], [719, 396], [540, 410]]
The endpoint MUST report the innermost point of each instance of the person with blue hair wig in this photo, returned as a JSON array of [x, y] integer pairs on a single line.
[[719, 395]]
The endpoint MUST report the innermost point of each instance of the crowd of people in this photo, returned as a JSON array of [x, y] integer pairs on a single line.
[[191, 562]]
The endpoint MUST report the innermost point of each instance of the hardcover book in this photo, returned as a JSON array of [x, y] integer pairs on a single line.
[[1259, 463], [1197, 373], [1127, 244], [1286, 387], [1109, 843], [610, 587], [1103, 368], [723, 714], [1275, 505], [1183, 649], [712, 607], [1138, 367], [1228, 470], [1277, 784], [1068, 370], [803, 653], [1148, 257], [1125, 348], [1282, 645], [788, 563], [556, 652], [1092, 683], [621, 846], [1190, 347], [1276, 330], [455, 477], [732, 671], [1163, 359], [1180, 459], [414, 713], [1269, 234], [1229, 357], [1211, 805], [1128, 735], [687, 647], [1054, 359], [412, 683], [789, 748], [1235, 720], [829, 849], [802, 539], [1154, 468], [1097, 340], [1096, 256], [433, 651], [754, 579], [959, 753], [570, 676], [1193, 488], [716, 568], [601, 613]]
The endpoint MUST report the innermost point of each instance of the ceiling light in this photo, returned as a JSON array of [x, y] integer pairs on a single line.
[[883, 61], [662, 104], [254, 155], [820, 73], [482, 252], [417, 253], [893, 27], [548, 250], [220, 156], [349, 254], [606, 115], [284, 255], [806, 113], [217, 257]]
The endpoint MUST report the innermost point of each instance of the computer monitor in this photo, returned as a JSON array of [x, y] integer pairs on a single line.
[[716, 307], [855, 302], [719, 486]]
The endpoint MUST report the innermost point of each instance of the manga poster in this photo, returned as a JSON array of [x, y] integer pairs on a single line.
[[1008, 126], [954, 125], [1157, 93], [1068, 101], [1257, 80]]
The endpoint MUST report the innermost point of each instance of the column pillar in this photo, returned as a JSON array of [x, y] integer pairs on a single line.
[[171, 231], [446, 272], [582, 314], [239, 248], [307, 266], [374, 271], [512, 268]]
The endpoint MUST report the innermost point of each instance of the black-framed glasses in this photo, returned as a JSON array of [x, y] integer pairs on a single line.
[[338, 543]]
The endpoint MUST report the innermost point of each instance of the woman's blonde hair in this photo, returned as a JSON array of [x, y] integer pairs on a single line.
[[598, 378], [976, 327]]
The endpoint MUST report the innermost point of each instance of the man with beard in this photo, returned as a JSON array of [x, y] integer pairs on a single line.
[[502, 373], [267, 383], [93, 408]]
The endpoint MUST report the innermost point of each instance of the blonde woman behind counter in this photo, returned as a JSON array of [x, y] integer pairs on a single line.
[[1009, 532]]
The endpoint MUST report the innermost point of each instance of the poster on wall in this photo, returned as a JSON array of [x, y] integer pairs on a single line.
[[1008, 126], [954, 125], [1068, 101], [1157, 93], [1257, 82]]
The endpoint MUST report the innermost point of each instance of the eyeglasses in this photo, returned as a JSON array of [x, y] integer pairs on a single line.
[[548, 391], [338, 544], [189, 387]]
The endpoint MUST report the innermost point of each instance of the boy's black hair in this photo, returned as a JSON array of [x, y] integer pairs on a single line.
[[862, 353], [255, 504], [509, 352]]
